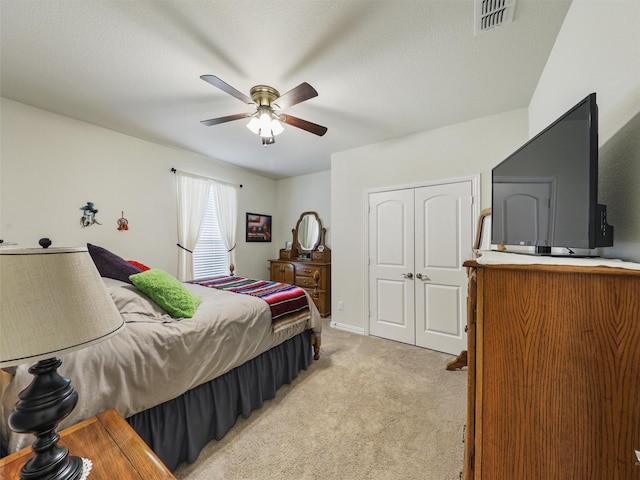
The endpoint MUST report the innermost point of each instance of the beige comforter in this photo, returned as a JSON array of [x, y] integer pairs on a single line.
[[156, 358]]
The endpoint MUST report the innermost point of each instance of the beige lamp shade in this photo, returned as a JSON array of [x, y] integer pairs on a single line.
[[52, 301]]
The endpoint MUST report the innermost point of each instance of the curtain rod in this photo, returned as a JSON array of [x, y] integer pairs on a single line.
[[173, 170]]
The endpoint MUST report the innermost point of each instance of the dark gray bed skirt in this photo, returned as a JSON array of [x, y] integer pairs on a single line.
[[177, 430]]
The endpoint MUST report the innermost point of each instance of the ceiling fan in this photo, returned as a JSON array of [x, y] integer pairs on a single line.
[[265, 121]]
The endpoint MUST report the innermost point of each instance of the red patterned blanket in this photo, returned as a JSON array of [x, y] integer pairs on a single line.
[[288, 303]]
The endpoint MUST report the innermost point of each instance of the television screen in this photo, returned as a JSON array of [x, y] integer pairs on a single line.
[[544, 195]]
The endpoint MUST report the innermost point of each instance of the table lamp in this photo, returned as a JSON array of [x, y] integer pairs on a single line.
[[52, 301]]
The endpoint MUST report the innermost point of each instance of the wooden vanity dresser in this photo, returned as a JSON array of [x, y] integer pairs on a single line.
[[307, 263]]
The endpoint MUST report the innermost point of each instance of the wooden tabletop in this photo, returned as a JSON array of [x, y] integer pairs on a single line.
[[114, 448]]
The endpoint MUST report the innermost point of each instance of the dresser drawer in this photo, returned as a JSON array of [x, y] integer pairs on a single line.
[[306, 276], [307, 270], [306, 282]]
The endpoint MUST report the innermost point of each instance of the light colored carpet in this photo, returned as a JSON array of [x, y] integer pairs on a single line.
[[368, 409]]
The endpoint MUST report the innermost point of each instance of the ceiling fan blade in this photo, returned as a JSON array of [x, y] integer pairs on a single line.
[[304, 124], [302, 92], [228, 118], [225, 87]]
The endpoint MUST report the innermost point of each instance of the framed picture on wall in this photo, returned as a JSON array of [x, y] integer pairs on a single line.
[[258, 227]]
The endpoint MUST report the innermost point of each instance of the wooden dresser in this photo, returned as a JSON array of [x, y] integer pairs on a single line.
[[313, 276], [114, 448], [307, 261], [554, 373]]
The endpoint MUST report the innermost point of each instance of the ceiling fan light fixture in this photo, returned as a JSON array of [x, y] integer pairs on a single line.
[[254, 125], [264, 123], [276, 127], [268, 140]]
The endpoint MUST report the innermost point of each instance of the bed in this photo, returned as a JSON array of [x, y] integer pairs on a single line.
[[180, 382]]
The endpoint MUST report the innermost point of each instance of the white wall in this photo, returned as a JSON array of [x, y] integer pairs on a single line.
[[598, 50], [458, 150], [52, 165]]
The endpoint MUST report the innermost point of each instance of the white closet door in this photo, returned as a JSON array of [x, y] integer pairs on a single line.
[[391, 263], [418, 240], [443, 239]]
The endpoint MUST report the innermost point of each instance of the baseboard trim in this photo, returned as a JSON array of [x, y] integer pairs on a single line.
[[349, 328]]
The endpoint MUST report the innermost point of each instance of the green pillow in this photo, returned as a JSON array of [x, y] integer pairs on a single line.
[[167, 291]]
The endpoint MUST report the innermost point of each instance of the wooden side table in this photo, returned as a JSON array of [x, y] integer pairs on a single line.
[[109, 442]]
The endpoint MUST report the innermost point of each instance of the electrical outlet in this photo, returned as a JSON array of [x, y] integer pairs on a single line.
[[340, 305]]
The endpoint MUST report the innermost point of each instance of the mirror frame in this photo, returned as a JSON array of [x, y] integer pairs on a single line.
[[321, 231]]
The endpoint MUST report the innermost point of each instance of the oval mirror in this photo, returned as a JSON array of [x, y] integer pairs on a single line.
[[308, 232]]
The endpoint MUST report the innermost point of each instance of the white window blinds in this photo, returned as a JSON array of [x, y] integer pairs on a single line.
[[210, 256]]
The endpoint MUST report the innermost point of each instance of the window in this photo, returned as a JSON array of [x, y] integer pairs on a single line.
[[212, 238], [210, 256]]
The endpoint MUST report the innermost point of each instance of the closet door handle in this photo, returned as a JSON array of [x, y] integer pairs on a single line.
[[408, 275], [419, 276]]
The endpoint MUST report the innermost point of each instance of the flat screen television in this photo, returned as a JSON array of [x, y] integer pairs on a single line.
[[545, 194]]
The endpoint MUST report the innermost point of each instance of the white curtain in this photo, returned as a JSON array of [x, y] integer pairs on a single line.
[[192, 200], [226, 198]]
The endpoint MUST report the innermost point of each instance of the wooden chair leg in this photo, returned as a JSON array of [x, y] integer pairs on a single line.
[[459, 362]]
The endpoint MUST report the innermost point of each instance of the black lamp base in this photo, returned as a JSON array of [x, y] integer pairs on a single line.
[[40, 408], [69, 469]]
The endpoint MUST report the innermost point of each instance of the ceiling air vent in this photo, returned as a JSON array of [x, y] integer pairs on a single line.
[[492, 13]]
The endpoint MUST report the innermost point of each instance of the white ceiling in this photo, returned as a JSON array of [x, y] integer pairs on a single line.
[[383, 69]]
